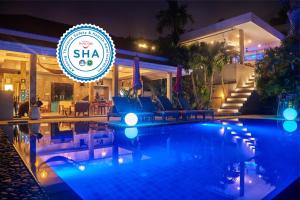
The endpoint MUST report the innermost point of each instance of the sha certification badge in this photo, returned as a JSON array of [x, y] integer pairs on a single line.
[[85, 53]]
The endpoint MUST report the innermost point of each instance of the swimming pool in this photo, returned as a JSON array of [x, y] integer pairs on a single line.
[[252, 159]]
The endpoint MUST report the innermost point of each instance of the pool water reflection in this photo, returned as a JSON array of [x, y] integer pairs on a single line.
[[225, 159]]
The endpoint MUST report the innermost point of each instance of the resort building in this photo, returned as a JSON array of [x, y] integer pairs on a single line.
[[250, 36], [28, 67]]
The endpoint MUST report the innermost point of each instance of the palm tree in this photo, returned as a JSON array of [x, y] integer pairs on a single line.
[[173, 19], [205, 60]]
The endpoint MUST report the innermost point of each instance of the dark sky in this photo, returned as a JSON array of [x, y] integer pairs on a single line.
[[136, 18]]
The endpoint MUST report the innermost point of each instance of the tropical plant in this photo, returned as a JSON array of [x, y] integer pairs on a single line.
[[173, 19], [205, 60], [157, 87], [280, 70]]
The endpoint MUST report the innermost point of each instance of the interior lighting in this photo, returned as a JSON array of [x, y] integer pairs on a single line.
[[8, 87]]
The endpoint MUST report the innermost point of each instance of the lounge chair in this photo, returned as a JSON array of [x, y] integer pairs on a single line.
[[186, 106], [148, 106], [123, 106], [167, 105]]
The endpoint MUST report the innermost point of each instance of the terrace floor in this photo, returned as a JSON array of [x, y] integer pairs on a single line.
[[113, 120]]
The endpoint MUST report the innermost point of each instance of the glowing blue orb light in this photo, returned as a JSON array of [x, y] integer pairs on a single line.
[[290, 126], [131, 132], [290, 114], [131, 119]]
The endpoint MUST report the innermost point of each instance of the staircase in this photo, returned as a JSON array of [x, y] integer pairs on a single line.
[[237, 98]]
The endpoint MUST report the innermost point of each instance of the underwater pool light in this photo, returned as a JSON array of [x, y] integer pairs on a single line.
[[131, 119], [121, 160], [81, 167], [244, 129], [131, 132], [290, 114], [290, 126]]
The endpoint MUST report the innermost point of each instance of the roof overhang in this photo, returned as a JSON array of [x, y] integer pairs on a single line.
[[252, 25], [47, 51]]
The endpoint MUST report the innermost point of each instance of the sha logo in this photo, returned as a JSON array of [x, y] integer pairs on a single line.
[[85, 53]]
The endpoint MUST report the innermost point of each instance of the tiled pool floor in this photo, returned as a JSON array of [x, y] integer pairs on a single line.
[[248, 159]]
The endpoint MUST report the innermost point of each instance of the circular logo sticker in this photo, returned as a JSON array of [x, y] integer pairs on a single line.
[[85, 53]]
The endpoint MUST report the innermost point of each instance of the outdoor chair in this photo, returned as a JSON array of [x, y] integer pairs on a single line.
[[167, 105], [148, 106], [82, 107], [186, 106], [123, 106]]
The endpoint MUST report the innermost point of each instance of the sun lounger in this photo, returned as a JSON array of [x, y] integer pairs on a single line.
[[185, 106], [167, 105], [123, 106], [148, 106]]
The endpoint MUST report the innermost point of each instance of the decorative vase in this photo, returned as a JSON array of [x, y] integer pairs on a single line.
[[34, 112]]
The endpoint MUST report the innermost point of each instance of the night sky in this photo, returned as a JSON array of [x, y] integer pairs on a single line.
[[136, 18]]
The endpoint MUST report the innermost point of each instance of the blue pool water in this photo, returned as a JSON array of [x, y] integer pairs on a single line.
[[248, 159]]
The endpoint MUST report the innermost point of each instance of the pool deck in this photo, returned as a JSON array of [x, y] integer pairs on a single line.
[[116, 121]]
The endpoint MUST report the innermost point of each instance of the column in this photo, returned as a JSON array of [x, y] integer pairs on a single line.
[[91, 96], [91, 146], [241, 45], [115, 81], [169, 85], [32, 79]]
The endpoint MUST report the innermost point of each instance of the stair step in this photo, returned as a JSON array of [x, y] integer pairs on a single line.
[[235, 100], [224, 110], [244, 90], [240, 94], [231, 105], [248, 86]]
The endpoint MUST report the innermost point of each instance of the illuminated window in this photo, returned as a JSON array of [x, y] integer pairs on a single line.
[[8, 87]]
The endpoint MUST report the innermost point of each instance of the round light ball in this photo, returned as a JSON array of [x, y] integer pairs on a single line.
[[81, 167], [131, 132], [290, 126], [290, 114], [131, 119]]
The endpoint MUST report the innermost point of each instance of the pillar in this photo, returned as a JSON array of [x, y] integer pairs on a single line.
[[32, 79], [242, 45], [115, 81], [169, 85], [91, 95], [91, 147]]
